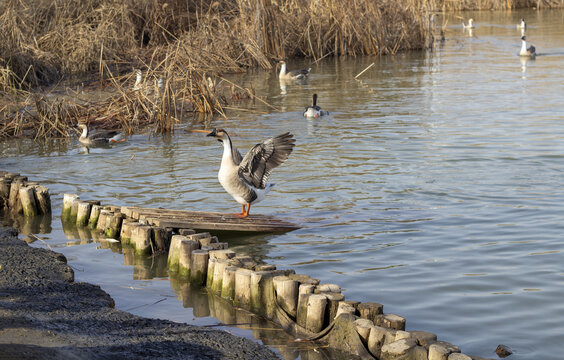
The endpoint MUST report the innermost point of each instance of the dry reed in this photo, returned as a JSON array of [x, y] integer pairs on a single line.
[[188, 44]]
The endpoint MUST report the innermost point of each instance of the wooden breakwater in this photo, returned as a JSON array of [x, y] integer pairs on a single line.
[[25, 203], [303, 306]]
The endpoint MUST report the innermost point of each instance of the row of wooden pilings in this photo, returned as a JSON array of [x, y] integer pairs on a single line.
[[19, 196], [300, 304]]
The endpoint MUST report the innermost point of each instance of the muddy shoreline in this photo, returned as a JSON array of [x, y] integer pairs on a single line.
[[44, 314]]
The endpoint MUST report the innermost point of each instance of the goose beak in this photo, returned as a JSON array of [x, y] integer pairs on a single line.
[[204, 131], [212, 133]]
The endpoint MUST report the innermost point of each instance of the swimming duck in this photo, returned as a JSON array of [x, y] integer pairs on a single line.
[[98, 138], [522, 25], [245, 178], [470, 24], [314, 110], [527, 51], [292, 74]]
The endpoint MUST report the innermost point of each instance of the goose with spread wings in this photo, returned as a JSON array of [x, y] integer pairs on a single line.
[[245, 178]]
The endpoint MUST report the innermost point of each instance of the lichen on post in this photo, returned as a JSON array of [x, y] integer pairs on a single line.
[[114, 227], [127, 226], [102, 223], [185, 257], [27, 198], [94, 215], [141, 239], [219, 267], [228, 282], [174, 252], [242, 288], [83, 213], [68, 200]]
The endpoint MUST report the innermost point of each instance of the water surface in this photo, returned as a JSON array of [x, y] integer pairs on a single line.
[[433, 187]]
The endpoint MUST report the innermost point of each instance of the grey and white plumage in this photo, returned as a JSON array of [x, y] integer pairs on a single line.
[[528, 51], [246, 178], [522, 25], [314, 110], [98, 138], [470, 24], [292, 74]]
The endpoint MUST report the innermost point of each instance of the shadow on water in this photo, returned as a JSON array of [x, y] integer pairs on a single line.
[[205, 304]]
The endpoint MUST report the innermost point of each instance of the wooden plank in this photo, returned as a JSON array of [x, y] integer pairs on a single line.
[[209, 220]]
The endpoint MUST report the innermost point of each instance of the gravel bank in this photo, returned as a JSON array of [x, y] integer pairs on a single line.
[[44, 314]]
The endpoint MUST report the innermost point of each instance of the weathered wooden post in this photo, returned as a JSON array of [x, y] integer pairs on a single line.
[[5, 184], [287, 294], [94, 215], [161, 238], [262, 293], [242, 288], [363, 327], [345, 308], [228, 283], [68, 200], [391, 321], [127, 227], [222, 254], [210, 271], [103, 220], [114, 227], [219, 267], [370, 310], [315, 312], [174, 252], [43, 200], [14, 202], [185, 257], [304, 292], [27, 199], [83, 213], [199, 266], [333, 300], [141, 239], [74, 210]]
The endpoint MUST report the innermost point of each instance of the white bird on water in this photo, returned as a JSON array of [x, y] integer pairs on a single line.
[[245, 178], [528, 51], [292, 74], [470, 24], [522, 25]]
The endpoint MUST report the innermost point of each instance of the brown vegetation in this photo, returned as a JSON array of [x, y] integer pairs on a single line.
[[184, 43]]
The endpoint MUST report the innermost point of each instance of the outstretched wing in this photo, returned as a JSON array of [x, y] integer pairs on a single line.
[[259, 162]]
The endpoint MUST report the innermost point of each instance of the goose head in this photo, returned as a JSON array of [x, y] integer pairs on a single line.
[[219, 134]]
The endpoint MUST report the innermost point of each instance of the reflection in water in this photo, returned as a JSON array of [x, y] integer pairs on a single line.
[[524, 63], [204, 304], [36, 225]]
